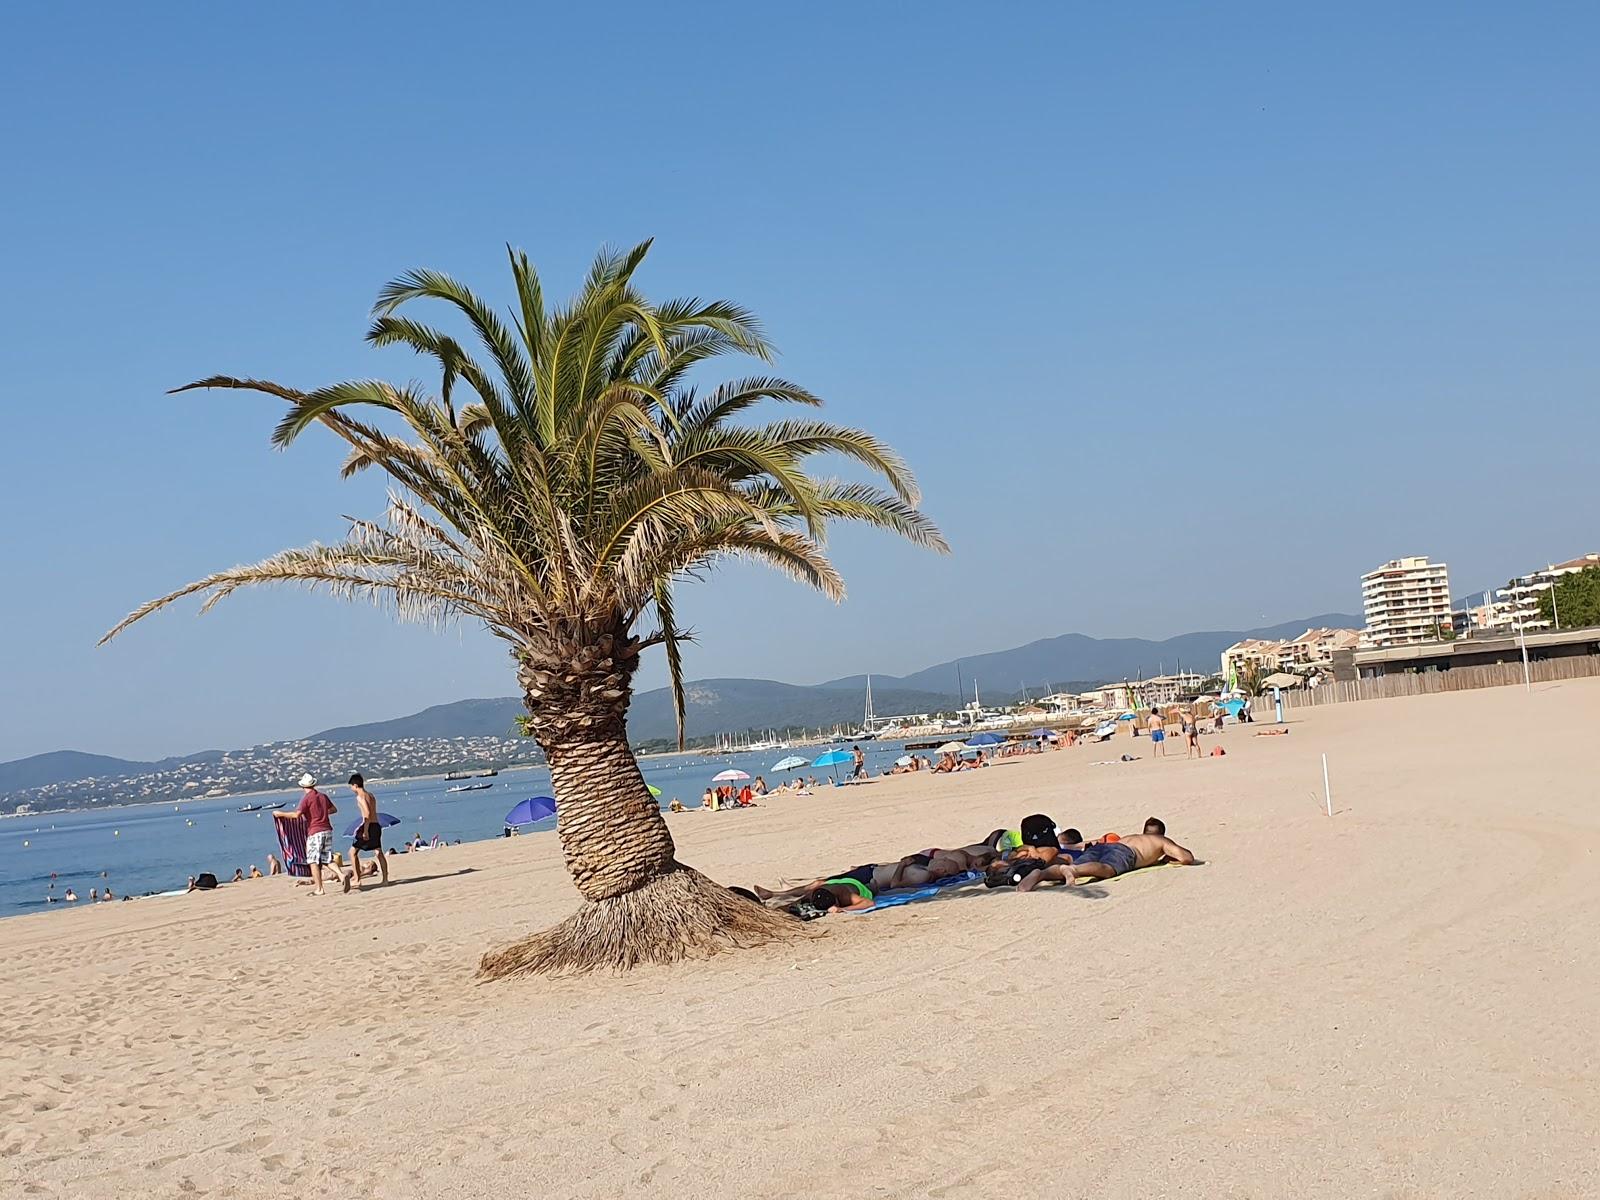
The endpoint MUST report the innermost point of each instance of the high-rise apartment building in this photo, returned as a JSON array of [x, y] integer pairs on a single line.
[[1406, 600]]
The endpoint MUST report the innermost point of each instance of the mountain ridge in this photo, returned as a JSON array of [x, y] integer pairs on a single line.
[[734, 705]]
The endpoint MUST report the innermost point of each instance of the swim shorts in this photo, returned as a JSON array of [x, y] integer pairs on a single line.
[[368, 837], [1158, 735], [1121, 859], [319, 847]]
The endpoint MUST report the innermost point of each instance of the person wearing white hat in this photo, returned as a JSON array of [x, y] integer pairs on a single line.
[[317, 810]]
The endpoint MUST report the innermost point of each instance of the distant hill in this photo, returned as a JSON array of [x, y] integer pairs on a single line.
[[1070, 662], [1053, 662], [57, 765], [463, 718], [711, 706]]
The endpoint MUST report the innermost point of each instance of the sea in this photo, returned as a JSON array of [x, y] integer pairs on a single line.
[[148, 849]]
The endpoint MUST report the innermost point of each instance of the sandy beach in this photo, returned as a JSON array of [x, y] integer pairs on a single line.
[[1401, 1001]]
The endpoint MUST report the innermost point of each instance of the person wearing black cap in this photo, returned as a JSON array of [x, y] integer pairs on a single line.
[[1039, 858]]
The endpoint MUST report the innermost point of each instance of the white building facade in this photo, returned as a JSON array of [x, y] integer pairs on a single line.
[[1407, 600]]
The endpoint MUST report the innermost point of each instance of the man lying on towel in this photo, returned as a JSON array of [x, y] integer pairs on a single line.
[[1104, 859], [859, 886]]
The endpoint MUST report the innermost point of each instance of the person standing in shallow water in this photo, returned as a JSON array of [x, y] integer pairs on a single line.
[[369, 834]]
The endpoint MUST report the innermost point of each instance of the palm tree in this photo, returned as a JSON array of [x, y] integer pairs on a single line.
[[557, 489], [1252, 679]]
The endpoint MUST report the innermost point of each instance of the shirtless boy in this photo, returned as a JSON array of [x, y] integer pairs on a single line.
[[369, 835]]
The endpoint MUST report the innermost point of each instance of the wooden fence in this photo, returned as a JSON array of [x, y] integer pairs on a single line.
[[1428, 683]]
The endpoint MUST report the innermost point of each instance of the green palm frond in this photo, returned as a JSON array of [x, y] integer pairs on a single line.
[[582, 478]]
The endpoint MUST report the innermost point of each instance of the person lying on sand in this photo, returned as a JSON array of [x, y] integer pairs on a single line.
[[854, 888], [914, 870], [1104, 859], [936, 863]]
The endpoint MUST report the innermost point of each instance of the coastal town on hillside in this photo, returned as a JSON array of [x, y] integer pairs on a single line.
[[1412, 625]]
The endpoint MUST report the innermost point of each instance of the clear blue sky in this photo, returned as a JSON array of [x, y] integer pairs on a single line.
[[1185, 315]]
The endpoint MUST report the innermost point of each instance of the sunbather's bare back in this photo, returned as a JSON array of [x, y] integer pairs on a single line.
[[1150, 848]]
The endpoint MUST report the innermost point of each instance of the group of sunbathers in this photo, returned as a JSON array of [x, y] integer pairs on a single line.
[[1034, 854]]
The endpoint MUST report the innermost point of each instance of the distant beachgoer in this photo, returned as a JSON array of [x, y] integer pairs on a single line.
[[274, 867], [1191, 731], [71, 897], [677, 806], [318, 810], [709, 800], [94, 894], [108, 896], [1217, 721], [761, 786], [747, 797], [255, 871], [369, 834], [859, 771], [238, 875], [1158, 735]]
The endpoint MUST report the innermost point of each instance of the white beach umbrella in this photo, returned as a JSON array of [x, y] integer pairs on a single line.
[[730, 776]]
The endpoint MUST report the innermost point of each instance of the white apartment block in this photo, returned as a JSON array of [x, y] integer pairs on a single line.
[[1517, 604], [1406, 600]]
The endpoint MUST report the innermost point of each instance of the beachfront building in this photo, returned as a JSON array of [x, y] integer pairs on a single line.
[[1407, 600], [1061, 702], [1314, 649], [1516, 606], [1264, 653], [1168, 689]]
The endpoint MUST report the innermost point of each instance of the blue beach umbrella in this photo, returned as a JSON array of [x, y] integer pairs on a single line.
[[1042, 732], [526, 812], [383, 819], [986, 739], [833, 758]]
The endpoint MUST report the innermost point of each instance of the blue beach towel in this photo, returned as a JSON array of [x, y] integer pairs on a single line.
[[901, 896]]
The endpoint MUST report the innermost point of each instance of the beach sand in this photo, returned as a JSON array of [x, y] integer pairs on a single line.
[[1402, 1001]]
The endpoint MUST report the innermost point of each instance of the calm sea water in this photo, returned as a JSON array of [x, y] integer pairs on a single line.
[[156, 847]]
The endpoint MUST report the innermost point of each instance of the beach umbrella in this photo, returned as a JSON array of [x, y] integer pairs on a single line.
[[383, 819], [730, 776], [653, 790], [526, 812], [1128, 716], [1042, 732], [951, 748], [986, 739], [789, 764], [903, 761], [832, 759]]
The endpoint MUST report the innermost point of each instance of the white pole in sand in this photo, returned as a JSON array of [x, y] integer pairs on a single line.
[[1527, 680], [1327, 792]]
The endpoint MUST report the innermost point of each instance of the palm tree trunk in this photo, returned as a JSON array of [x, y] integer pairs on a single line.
[[642, 905]]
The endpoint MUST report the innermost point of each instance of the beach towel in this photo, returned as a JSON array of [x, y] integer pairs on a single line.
[[292, 841], [901, 896]]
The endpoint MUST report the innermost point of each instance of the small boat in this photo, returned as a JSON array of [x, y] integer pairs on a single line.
[[470, 787], [458, 775], [489, 774], [251, 807], [275, 807]]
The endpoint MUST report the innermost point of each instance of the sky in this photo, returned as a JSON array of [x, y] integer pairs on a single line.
[[1184, 315]]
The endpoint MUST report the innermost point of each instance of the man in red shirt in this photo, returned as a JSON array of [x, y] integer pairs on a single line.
[[317, 809]]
